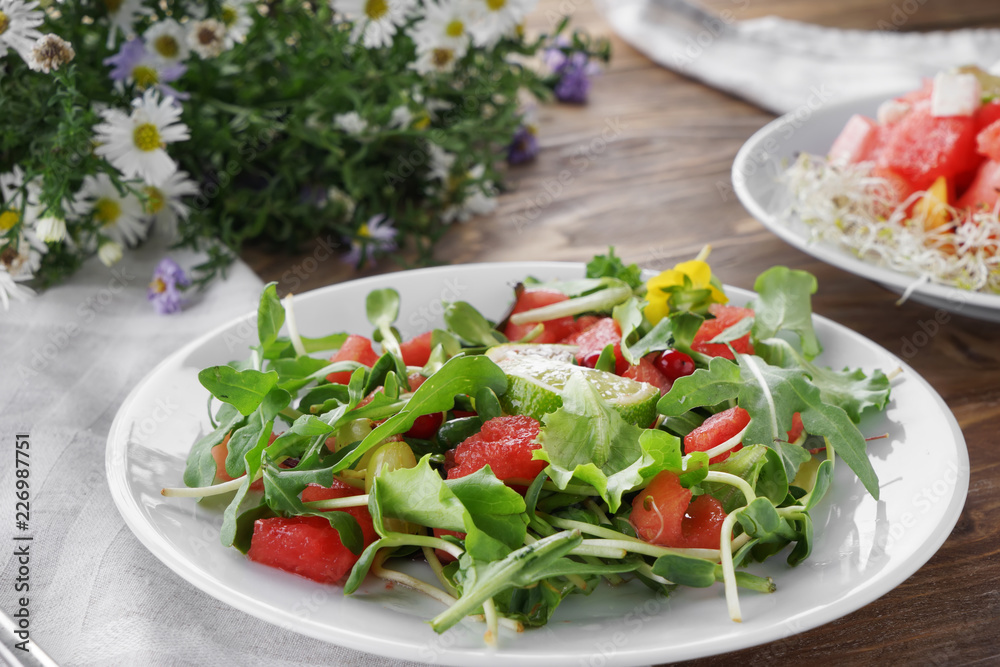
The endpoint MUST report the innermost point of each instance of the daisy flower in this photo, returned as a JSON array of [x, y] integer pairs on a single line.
[[120, 218], [351, 122], [10, 289], [163, 201], [445, 24], [437, 59], [376, 235], [18, 23], [135, 143], [207, 38], [337, 197], [110, 253], [167, 41], [480, 201], [51, 229], [165, 288], [499, 18], [375, 21], [441, 162], [237, 20], [21, 199], [50, 53], [401, 117], [122, 15], [135, 64]]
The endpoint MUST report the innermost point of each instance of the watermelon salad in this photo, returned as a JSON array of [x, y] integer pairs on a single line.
[[917, 188], [603, 431]]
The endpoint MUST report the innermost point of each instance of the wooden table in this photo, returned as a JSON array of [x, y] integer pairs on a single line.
[[656, 189]]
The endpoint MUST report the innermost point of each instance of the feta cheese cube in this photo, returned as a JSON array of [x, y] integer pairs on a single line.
[[892, 110], [955, 95]]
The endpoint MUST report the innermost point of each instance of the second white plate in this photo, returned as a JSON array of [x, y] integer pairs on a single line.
[[755, 179]]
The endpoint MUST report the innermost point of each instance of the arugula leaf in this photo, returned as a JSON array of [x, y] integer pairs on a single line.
[[660, 337], [852, 390], [270, 315], [469, 324], [686, 571], [310, 425], [721, 381], [460, 375], [244, 390], [258, 426], [587, 439], [611, 266], [200, 467], [382, 307], [784, 303]]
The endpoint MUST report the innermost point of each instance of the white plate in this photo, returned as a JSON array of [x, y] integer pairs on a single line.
[[755, 179], [863, 548]]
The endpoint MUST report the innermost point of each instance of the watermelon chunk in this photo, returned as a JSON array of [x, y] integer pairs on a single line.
[[664, 514], [922, 148], [594, 339], [416, 351], [506, 444], [555, 330], [988, 114], [988, 141], [858, 141], [716, 430], [985, 188], [725, 317], [646, 371], [355, 348]]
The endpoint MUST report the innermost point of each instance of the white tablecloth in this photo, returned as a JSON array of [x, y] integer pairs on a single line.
[[97, 596]]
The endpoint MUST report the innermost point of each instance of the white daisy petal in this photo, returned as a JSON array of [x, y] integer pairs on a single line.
[[136, 144], [19, 21]]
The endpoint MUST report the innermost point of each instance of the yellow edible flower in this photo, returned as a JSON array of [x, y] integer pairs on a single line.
[[698, 273]]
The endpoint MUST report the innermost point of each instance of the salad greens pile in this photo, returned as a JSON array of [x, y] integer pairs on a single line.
[[525, 551]]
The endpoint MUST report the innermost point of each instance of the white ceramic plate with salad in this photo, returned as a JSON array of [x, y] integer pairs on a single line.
[[756, 180], [863, 548]]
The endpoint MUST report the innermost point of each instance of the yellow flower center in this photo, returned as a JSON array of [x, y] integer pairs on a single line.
[[363, 231], [376, 9], [158, 286], [155, 199], [441, 57], [147, 137], [8, 219], [167, 46], [112, 5], [145, 76], [496, 5], [229, 15], [455, 28], [107, 211], [4, 23]]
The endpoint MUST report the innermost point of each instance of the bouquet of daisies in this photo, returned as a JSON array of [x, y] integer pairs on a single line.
[[365, 125]]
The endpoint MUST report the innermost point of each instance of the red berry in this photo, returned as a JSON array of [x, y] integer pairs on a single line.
[[590, 359], [675, 364]]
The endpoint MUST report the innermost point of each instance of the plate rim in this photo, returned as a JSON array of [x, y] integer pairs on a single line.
[[177, 562], [831, 254]]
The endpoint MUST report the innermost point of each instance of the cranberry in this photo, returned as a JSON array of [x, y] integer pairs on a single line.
[[590, 359], [675, 364], [425, 426]]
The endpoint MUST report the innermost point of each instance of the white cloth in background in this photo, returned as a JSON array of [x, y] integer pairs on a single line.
[[68, 359], [782, 65]]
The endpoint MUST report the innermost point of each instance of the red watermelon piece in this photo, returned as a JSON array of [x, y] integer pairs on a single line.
[[922, 148], [988, 141], [663, 514], [555, 330], [416, 351], [506, 444], [985, 188], [355, 348], [858, 141], [725, 317], [716, 430], [646, 371]]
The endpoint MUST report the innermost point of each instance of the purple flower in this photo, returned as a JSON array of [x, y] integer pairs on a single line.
[[572, 71], [134, 64], [376, 235], [165, 289], [524, 147]]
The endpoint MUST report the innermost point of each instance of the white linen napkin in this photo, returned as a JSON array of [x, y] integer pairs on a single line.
[[97, 597], [784, 65]]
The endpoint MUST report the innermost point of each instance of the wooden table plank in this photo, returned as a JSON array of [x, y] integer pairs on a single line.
[[646, 168]]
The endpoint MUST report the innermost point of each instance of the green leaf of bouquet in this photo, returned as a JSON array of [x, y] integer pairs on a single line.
[[588, 440], [784, 303], [245, 390]]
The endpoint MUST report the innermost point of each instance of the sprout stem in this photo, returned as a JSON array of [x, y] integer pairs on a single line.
[[338, 503], [728, 571], [732, 480], [602, 300], [293, 329], [203, 491], [435, 564]]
